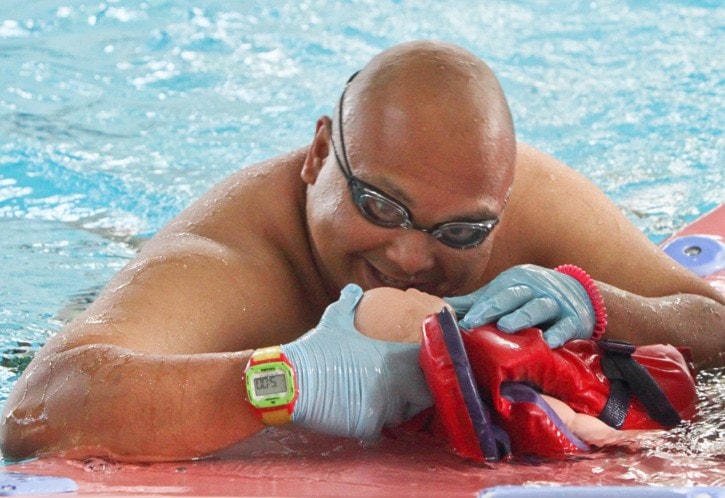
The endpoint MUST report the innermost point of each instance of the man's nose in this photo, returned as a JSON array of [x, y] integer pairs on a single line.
[[412, 251]]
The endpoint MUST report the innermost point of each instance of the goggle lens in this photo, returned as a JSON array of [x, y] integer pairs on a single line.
[[463, 235], [380, 210]]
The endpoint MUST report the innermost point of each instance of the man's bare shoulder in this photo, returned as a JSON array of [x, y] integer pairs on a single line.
[[539, 206], [557, 216], [551, 204], [234, 271], [248, 204]]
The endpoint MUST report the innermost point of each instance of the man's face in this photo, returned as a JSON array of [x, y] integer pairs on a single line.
[[437, 181], [440, 173]]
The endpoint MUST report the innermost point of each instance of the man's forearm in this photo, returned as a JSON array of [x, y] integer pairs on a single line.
[[108, 401], [688, 320]]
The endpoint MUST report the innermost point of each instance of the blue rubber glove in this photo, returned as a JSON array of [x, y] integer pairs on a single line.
[[350, 385], [530, 296]]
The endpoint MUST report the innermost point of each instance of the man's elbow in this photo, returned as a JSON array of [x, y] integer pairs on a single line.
[[25, 428], [19, 440]]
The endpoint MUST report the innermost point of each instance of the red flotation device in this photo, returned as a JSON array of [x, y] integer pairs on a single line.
[[464, 417], [648, 387]]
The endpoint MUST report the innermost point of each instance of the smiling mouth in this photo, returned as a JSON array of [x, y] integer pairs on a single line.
[[399, 284], [392, 282]]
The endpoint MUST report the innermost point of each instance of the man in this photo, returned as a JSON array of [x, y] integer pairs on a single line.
[[418, 182]]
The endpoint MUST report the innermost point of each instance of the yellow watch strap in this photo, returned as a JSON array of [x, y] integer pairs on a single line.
[[280, 416], [269, 353]]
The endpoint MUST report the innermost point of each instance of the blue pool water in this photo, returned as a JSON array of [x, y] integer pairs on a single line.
[[115, 115]]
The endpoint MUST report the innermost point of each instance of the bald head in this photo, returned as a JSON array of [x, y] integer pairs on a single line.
[[425, 94], [429, 65]]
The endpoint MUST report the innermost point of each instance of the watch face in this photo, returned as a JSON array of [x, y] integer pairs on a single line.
[[270, 385]]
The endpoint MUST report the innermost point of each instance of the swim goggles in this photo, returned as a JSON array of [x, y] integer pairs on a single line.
[[385, 211]]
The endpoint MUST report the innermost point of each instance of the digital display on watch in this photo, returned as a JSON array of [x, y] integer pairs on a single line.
[[265, 385]]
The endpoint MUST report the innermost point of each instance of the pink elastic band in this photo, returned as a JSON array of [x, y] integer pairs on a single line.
[[600, 311]]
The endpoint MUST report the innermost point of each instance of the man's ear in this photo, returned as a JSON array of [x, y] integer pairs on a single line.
[[318, 151]]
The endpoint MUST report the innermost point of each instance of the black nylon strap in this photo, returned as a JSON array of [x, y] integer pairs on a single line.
[[615, 411], [627, 376]]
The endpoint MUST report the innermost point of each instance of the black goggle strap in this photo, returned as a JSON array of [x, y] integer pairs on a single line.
[[339, 125]]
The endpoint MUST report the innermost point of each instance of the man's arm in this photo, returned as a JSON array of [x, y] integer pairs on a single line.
[[556, 217], [649, 297], [113, 402], [146, 372], [680, 319]]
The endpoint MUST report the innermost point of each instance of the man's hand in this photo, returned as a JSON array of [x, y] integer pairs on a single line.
[[351, 385], [530, 296]]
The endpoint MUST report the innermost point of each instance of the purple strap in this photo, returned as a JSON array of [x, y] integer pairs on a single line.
[[478, 413], [516, 392]]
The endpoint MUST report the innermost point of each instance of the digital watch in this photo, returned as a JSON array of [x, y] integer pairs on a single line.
[[271, 385]]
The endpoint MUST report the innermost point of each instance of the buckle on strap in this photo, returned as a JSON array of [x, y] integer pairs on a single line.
[[629, 377]]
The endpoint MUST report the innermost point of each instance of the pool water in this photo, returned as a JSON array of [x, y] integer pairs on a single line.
[[115, 115]]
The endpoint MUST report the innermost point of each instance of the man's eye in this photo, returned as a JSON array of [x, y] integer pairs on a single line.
[[383, 210], [464, 234], [461, 233]]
